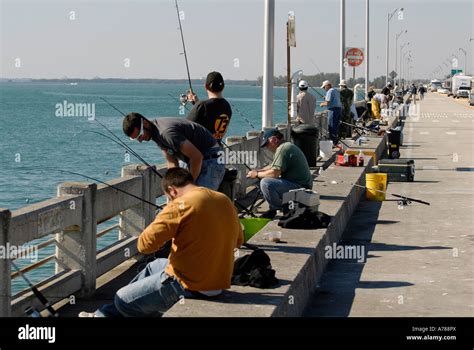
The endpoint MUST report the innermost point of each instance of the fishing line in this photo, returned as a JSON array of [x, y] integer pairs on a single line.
[[109, 185]]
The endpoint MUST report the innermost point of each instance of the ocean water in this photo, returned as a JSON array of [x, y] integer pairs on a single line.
[[34, 139]]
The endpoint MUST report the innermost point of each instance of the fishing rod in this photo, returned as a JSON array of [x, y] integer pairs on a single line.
[[127, 149], [243, 116], [36, 292], [359, 127], [406, 200], [109, 185], [122, 143], [184, 47]]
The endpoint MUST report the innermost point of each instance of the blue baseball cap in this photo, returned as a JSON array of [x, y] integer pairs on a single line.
[[269, 133]]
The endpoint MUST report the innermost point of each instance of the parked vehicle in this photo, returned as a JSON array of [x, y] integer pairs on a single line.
[[435, 85], [461, 85], [471, 98], [443, 91]]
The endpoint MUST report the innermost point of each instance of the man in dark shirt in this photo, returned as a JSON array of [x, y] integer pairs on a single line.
[[387, 89], [181, 139], [214, 113]]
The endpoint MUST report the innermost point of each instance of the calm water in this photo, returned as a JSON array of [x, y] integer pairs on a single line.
[[32, 137]]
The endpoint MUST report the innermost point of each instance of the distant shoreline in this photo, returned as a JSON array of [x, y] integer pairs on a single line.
[[120, 80]]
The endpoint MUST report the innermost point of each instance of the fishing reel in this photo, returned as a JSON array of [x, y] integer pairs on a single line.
[[183, 99], [404, 202]]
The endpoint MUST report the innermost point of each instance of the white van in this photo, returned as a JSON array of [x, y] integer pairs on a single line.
[[461, 85]]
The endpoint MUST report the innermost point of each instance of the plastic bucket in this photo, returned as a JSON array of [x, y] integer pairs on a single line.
[[325, 148], [375, 181], [252, 226]]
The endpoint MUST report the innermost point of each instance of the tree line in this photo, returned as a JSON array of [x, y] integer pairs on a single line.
[[317, 80]]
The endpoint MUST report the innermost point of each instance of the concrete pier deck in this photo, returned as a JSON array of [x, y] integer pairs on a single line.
[[420, 259]]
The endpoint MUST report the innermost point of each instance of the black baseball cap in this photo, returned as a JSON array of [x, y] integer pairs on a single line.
[[269, 133], [215, 82]]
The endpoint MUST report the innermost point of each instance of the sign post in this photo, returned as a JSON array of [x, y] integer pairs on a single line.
[[354, 57]]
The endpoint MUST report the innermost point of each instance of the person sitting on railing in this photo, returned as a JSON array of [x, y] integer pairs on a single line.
[[181, 140], [289, 170], [204, 229]]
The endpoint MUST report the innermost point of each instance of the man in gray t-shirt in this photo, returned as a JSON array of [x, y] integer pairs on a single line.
[[181, 139], [306, 104]]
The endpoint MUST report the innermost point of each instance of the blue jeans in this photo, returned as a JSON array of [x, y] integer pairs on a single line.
[[334, 116], [151, 293], [273, 189], [212, 173]]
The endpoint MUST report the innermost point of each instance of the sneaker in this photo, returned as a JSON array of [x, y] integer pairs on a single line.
[[270, 214], [87, 314]]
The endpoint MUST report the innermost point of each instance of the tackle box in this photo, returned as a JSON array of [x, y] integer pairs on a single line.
[[397, 170]]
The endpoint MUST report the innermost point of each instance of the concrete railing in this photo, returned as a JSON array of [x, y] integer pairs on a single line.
[[73, 217]]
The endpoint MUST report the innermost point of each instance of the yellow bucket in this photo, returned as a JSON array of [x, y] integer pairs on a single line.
[[375, 182]]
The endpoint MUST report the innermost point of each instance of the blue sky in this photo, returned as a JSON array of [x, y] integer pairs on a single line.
[[105, 33]]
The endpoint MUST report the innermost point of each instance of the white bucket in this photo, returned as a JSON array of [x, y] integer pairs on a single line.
[[325, 148]]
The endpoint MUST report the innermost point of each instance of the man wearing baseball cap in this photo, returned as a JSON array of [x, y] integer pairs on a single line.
[[289, 170], [215, 112], [347, 98], [306, 104], [334, 106]]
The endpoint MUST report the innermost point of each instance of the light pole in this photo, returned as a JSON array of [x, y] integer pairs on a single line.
[[403, 67], [389, 17], [342, 29], [397, 36], [465, 59], [366, 47], [401, 50], [268, 64]]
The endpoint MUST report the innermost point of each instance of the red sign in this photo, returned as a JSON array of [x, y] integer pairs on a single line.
[[354, 56]]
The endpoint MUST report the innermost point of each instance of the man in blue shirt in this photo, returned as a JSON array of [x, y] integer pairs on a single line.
[[334, 106]]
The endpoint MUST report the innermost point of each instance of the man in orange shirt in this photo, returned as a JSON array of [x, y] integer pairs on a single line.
[[204, 228]]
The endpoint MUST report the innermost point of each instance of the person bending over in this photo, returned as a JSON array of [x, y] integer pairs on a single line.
[[181, 140]]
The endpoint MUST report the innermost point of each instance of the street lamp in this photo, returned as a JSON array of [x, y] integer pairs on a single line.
[[401, 50], [397, 36], [465, 59], [402, 67], [389, 17]]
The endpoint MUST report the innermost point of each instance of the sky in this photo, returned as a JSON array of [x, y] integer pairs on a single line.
[[140, 38]]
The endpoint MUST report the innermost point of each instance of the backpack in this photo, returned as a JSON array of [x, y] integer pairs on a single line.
[[305, 219], [254, 270]]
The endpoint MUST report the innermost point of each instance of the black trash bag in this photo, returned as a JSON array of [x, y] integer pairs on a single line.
[[254, 270], [305, 219]]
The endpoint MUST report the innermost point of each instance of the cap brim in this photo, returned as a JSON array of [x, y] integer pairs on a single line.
[[264, 143]]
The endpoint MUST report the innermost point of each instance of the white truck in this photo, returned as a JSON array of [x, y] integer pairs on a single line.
[[461, 85], [435, 85]]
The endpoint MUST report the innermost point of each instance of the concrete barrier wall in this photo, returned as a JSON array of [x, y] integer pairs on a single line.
[[73, 217], [77, 210]]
